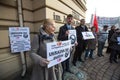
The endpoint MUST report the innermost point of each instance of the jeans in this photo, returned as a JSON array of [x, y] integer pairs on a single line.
[[100, 47], [89, 51]]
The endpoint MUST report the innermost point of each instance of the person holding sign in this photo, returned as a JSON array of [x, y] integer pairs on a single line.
[[62, 36], [91, 45], [80, 48], [115, 46], [39, 55]]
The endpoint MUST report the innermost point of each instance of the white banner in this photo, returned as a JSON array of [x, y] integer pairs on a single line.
[[72, 36], [58, 52], [19, 39], [87, 35]]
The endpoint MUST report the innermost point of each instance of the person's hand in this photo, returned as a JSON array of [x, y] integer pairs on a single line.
[[44, 62], [67, 32], [76, 43], [118, 42]]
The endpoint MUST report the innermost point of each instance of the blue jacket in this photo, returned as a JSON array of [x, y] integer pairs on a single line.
[[103, 36]]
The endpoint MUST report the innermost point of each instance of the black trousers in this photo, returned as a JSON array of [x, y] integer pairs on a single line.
[[65, 65], [113, 55], [77, 54]]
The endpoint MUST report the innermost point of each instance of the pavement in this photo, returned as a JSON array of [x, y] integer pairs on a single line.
[[101, 69], [98, 69]]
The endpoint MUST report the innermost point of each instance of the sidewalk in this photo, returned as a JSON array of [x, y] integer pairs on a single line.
[[97, 69], [101, 69]]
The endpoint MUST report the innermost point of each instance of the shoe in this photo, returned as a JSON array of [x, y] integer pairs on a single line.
[[74, 63], [119, 56], [115, 61], [68, 70], [99, 55], [111, 61], [102, 55], [85, 58], [81, 60], [92, 58]]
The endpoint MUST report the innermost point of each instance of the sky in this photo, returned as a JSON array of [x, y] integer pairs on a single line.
[[103, 8]]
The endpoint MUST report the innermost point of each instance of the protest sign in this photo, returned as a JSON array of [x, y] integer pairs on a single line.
[[118, 39], [19, 39], [72, 36], [58, 52], [87, 35]]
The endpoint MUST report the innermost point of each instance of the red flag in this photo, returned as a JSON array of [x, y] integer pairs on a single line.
[[95, 22]]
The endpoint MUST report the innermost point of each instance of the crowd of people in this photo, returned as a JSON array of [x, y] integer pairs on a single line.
[[46, 35]]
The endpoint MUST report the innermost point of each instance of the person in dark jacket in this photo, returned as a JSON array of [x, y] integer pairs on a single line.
[[115, 46], [62, 36], [80, 48], [110, 33]]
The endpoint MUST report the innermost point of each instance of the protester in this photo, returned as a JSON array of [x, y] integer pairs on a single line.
[[62, 36], [91, 44], [110, 33], [80, 48], [38, 54], [115, 46], [102, 37]]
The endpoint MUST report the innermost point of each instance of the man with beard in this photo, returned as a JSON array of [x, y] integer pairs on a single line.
[[62, 36]]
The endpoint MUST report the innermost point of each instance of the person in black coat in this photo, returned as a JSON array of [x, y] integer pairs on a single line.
[[63, 35], [80, 48], [115, 46], [110, 33]]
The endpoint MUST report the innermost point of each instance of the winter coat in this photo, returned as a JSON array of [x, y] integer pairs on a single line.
[[114, 42], [103, 36], [111, 32], [40, 70], [63, 37], [91, 43], [81, 42], [62, 32]]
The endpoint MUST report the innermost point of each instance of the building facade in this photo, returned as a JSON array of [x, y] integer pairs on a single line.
[[33, 13]]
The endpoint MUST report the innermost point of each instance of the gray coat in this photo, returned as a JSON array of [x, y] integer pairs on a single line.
[[40, 70]]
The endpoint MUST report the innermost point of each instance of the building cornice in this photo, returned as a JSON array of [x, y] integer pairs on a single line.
[[80, 4], [71, 8]]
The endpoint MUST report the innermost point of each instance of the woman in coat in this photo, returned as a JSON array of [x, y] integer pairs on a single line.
[[38, 54], [91, 44], [115, 46]]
